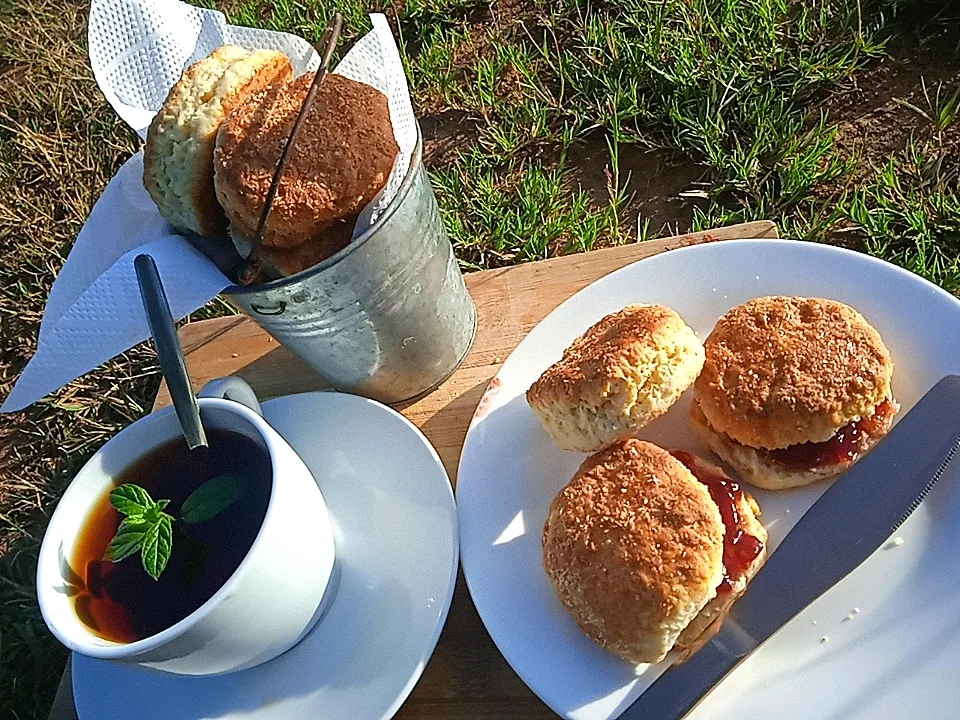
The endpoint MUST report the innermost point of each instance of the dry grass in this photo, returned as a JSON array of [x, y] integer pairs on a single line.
[[59, 145]]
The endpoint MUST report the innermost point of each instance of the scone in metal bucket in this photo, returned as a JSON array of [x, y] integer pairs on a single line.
[[389, 316]]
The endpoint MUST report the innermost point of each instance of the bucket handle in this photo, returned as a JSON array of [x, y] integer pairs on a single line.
[[269, 309]]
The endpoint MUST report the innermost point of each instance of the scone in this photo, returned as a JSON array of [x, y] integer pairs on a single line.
[[623, 372], [643, 554], [793, 390], [178, 155], [340, 161], [285, 262]]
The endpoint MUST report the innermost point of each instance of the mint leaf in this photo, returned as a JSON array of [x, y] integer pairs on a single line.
[[130, 499], [145, 528], [157, 546], [154, 512], [211, 498], [127, 541]]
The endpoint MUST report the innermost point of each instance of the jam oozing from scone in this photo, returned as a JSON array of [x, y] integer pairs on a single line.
[[740, 548], [843, 447]]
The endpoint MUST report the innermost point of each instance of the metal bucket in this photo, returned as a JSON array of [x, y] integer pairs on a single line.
[[389, 316]]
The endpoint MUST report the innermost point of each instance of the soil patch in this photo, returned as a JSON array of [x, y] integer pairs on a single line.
[[444, 135], [872, 112], [653, 179]]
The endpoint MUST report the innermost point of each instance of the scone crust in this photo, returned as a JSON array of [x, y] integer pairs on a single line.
[[786, 370], [291, 261], [634, 548], [178, 155], [622, 373], [758, 470], [341, 160]]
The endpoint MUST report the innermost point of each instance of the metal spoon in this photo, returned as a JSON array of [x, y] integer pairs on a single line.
[[172, 362]]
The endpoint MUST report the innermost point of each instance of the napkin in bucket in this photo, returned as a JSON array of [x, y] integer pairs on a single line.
[[138, 50]]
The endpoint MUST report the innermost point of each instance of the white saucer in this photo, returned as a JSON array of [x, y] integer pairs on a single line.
[[395, 524]]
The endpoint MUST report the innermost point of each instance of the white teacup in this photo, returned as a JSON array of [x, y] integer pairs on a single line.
[[271, 601]]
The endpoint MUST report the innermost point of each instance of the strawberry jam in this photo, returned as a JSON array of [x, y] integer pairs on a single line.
[[740, 548], [843, 447]]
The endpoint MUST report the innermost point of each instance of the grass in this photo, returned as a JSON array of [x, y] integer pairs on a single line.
[[517, 93], [940, 106], [909, 213], [502, 215]]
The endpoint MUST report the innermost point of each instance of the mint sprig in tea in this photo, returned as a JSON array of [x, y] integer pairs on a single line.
[[147, 529], [171, 532]]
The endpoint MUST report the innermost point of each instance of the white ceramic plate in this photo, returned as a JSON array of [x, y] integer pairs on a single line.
[[897, 657], [395, 526]]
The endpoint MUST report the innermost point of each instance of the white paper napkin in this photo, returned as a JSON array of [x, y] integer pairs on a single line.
[[138, 50]]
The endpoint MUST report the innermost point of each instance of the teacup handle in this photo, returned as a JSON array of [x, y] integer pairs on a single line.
[[232, 388]]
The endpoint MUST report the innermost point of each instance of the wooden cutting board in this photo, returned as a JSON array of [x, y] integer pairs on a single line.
[[466, 678]]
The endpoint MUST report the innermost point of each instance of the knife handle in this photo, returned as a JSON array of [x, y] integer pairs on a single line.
[[682, 687]]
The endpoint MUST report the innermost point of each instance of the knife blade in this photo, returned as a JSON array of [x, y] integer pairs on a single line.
[[850, 521]]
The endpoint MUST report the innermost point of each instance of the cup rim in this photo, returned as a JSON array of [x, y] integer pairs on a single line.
[[89, 645]]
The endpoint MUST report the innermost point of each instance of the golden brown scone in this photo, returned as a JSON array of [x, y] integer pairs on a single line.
[[178, 155], [634, 548], [340, 161], [711, 617], [794, 468], [786, 370], [290, 262], [623, 372]]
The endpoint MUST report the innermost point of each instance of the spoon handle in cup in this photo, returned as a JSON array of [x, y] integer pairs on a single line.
[[169, 350]]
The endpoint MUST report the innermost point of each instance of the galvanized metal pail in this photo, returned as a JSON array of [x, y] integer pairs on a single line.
[[389, 316]]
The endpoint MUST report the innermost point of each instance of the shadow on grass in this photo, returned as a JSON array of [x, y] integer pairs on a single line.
[[31, 660]]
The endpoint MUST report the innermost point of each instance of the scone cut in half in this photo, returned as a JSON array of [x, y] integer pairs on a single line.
[[793, 390], [648, 549], [622, 373], [178, 155]]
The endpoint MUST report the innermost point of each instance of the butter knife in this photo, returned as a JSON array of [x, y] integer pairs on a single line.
[[849, 522]]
